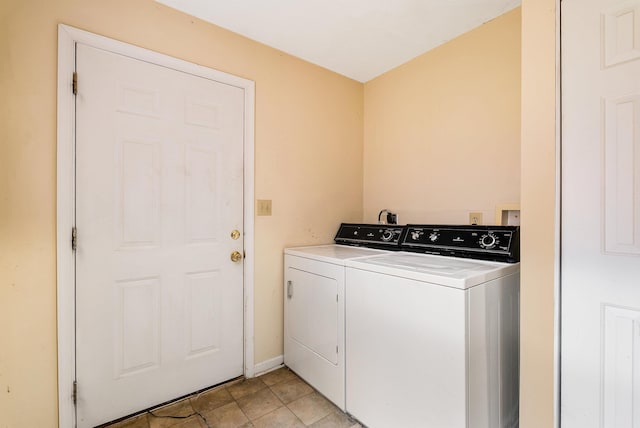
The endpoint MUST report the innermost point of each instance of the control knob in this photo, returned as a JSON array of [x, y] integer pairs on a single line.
[[387, 235], [415, 235], [488, 241], [433, 237]]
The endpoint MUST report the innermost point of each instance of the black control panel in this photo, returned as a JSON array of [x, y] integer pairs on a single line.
[[497, 243], [386, 236]]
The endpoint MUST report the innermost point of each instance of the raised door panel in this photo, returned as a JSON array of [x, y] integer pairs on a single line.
[[204, 302], [622, 174], [621, 367], [137, 325]]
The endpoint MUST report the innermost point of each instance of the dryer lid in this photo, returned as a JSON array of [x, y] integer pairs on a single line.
[[333, 253]]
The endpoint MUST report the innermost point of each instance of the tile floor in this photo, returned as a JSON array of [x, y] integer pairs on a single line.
[[278, 399]]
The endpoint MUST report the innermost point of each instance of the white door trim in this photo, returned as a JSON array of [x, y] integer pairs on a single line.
[[557, 225], [67, 39]]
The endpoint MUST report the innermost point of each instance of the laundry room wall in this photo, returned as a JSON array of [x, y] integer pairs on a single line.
[[442, 132], [539, 240], [308, 138]]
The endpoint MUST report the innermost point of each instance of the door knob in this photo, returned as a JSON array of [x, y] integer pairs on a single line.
[[235, 234], [236, 256]]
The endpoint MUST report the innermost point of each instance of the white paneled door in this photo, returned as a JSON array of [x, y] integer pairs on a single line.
[[159, 190], [600, 279]]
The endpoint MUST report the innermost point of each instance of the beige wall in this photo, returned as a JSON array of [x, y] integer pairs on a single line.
[[538, 201], [442, 132], [308, 161]]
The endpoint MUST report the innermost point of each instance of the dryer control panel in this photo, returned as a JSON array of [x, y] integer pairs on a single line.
[[386, 236], [497, 243]]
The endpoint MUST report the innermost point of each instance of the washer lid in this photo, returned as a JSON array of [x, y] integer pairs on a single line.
[[333, 253], [440, 270]]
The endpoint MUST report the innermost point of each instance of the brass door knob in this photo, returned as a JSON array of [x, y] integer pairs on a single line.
[[236, 256], [235, 234]]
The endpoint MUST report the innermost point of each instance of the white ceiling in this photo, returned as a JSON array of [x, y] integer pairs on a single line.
[[360, 39]]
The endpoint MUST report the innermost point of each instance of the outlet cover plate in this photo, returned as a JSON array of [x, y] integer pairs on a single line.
[[475, 218]]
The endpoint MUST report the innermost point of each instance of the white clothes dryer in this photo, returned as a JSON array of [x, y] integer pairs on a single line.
[[314, 304]]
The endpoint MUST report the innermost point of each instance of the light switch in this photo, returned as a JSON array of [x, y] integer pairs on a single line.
[[264, 207]]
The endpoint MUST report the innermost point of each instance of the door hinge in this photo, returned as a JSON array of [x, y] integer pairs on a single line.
[[75, 83], [289, 289], [74, 393], [74, 238], [336, 349]]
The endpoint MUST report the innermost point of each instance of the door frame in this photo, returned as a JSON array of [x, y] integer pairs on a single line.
[[67, 39], [557, 286]]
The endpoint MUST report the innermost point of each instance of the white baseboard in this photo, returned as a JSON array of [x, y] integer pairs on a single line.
[[268, 365]]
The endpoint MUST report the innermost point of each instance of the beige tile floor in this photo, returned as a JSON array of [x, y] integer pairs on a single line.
[[278, 399]]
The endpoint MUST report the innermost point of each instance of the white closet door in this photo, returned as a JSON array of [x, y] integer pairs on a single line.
[[600, 214]]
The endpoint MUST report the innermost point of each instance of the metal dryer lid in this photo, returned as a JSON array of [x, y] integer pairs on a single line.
[[333, 253]]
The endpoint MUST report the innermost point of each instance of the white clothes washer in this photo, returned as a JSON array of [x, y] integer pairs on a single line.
[[314, 304], [433, 341]]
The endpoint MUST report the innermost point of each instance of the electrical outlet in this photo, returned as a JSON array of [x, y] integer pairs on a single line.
[[475, 218], [264, 207]]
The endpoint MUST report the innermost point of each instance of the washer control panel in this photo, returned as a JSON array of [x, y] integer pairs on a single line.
[[499, 243], [370, 235], [496, 243]]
